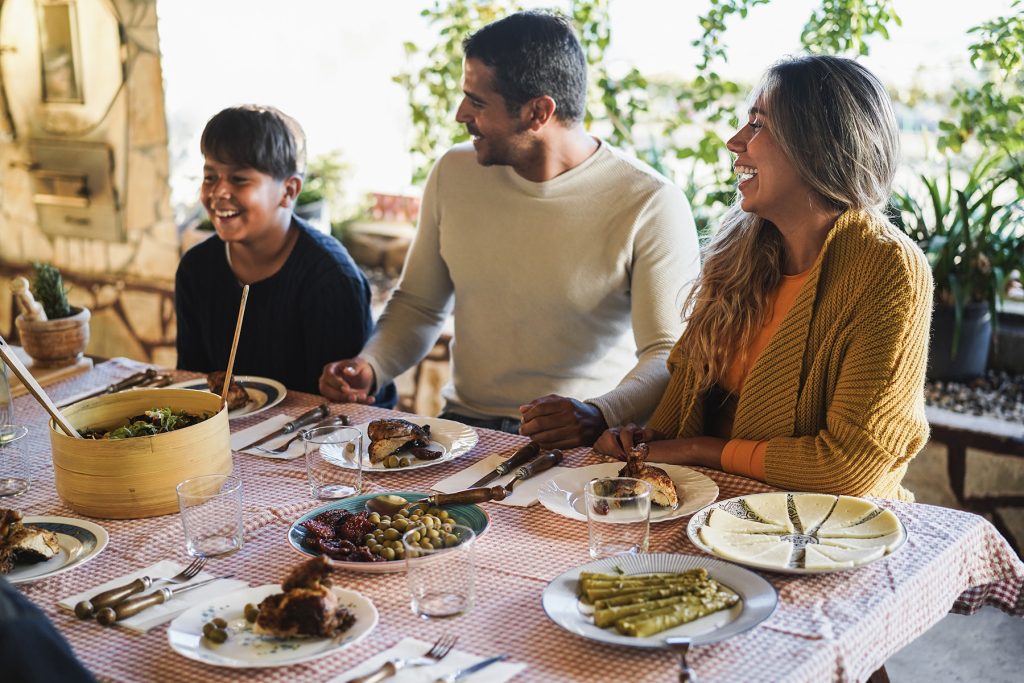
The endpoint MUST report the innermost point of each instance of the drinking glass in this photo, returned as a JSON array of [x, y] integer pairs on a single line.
[[15, 474], [211, 514], [334, 461], [618, 515], [441, 571], [6, 401]]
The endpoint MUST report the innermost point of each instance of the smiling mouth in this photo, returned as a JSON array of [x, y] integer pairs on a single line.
[[225, 214], [745, 173]]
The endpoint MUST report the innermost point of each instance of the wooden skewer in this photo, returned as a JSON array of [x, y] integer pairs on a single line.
[[22, 373], [234, 344]]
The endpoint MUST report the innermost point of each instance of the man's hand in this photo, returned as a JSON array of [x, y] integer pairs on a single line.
[[559, 422], [348, 381], [617, 441]]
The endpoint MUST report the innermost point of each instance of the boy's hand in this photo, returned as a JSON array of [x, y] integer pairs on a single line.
[[559, 422], [348, 381]]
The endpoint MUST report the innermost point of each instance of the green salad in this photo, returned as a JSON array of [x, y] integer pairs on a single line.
[[156, 421]]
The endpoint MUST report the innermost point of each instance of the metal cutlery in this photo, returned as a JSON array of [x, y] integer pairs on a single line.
[[132, 606], [336, 420], [308, 417], [456, 676], [520, 457], [437, 652], [681, 646], [539, 464], [87, 608], [150, 377]]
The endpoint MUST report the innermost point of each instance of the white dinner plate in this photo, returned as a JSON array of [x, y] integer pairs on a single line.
[[758, 600], [79, 540], [245, 649], [735, 506], [563, 494], [452, 438], [263, 393]]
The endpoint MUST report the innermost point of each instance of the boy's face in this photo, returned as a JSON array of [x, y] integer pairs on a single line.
[[244, 203]]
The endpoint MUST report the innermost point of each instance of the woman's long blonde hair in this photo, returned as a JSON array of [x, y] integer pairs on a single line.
[[834, 121]]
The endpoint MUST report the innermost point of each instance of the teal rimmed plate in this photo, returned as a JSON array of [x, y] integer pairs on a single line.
[[472, 516]]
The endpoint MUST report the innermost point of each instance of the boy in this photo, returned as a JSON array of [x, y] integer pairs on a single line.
[[308, 301]]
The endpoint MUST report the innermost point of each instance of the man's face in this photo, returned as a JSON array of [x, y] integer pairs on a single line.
[[243, 203], [499, 139]]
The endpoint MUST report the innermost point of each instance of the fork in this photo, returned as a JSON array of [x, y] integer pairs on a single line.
[[108, 598], [439, 651], [337, 420], [681, 646]]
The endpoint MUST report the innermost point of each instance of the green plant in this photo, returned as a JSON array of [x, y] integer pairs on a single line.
[[49, 290], [325, 176], [971, 231]]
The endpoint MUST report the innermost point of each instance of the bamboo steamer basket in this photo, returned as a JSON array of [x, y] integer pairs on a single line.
[[136, 477]]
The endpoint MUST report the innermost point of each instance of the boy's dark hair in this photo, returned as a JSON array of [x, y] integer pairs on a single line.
[[533, 54], [258, 137]]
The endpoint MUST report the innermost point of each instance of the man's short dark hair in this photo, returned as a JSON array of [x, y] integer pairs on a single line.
[[534, 54], [258, 137]]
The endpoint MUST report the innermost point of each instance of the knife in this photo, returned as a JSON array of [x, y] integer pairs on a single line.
[[306, 418], [462, 673], [483, 495], [132, 606], [133, 380], [520, 457]]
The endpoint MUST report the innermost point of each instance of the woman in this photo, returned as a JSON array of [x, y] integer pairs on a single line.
[[803, 360]]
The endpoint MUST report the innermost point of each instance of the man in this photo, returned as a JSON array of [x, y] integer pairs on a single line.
[[547, 245]]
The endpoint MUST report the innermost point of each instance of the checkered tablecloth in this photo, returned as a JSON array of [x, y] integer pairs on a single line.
[[840, 626]]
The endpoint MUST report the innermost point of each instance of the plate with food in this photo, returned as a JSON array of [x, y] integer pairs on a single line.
[[34, 548], [678, 491], [640, 600], [342, 530], [307, 617], [418, 442], [797, 533], [247, 395]]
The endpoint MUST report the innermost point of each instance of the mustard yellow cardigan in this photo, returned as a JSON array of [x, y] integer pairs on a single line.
[[838, 393]]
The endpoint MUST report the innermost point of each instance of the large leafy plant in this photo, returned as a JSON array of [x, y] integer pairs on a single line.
[[971, 230]]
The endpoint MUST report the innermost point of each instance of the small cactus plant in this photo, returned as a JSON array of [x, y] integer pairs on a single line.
[[49, 290]]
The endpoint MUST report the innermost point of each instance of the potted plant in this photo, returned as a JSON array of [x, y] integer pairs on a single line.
[[973, 238], [321, 189], [52, 332]]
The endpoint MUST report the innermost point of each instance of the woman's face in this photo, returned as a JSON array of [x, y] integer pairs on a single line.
[[768, 181]]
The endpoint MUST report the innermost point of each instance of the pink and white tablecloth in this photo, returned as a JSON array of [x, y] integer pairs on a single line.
[[840, 626]]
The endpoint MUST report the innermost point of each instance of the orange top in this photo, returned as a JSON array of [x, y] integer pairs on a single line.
[[742, 456]]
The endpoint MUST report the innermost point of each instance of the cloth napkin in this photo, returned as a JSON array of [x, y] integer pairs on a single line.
[[499, 672], [523, 495], [158, 614], [246, 436]]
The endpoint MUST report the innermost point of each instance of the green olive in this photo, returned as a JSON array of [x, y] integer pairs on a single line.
[[426, 545], [391, 534], [451, 540], [207, 628], [217, 635], [251, 612], [219, 623], [399, 552], [388, 553], [415, 537], [391, 461], [401, 524], [374, 518], [443, 515]]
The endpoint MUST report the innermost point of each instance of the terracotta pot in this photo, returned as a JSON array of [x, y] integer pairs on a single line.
[[55, 343]]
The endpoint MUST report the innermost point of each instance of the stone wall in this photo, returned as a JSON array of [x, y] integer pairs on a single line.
[[132, 281]]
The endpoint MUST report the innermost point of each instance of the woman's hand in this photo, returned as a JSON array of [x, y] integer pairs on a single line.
[[617, 441]]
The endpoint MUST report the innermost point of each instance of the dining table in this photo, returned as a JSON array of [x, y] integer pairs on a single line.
[[838, 626]]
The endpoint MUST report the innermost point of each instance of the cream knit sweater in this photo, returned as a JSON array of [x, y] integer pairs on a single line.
[[571, 286], [838, 393]]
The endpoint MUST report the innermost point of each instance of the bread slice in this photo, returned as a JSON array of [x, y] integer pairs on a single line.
[[881, 525], [771, 508], [847, 512], [720, 519], [812, 509]]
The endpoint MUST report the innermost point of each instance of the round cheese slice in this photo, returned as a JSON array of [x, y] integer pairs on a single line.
[[888, 542], [775, 554], [771, 508], [881, 525], [714, 537], [847, 512], [720, 519], [812, 509]]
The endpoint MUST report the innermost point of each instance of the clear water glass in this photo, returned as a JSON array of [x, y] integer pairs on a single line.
[[618, 516], [441, 575], [15, 473], [6, 401], [211, 514], [334, 461]]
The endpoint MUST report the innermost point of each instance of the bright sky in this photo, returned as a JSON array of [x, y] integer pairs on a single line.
[[329, 64]]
